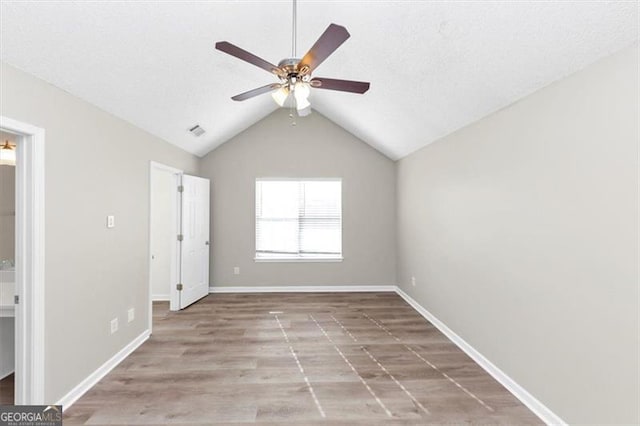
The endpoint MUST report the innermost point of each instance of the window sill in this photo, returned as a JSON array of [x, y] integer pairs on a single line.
[[298, 259]]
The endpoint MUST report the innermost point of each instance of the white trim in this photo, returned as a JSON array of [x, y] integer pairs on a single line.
[[161, 297], [300, 179], [30, 253], [75, 393], [538, 408], [164, 167], [2, 376], [305, 289], [154, 165], [297, 259]]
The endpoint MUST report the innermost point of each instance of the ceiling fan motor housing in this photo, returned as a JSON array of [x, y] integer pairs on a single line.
[[292, 71]]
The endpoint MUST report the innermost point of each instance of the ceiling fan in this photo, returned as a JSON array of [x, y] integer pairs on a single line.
[[295, 74]]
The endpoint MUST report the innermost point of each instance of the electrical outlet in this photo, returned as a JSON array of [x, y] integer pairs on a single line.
[[131, 314], [114, 325], [413, 281], [111, 221], [236, 270]]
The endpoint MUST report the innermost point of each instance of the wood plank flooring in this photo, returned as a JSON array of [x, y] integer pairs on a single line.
[[7, 390], [299, 359]]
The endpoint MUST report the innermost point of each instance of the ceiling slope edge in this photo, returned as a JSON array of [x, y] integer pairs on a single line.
[[379, 150], [635, 44], [104, 110]]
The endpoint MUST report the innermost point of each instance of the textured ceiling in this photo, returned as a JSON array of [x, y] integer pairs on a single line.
[[433, 66]]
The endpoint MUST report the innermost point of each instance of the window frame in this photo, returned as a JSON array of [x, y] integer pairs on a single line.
[[284, 258]]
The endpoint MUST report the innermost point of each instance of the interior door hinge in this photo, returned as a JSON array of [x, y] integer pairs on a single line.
[[180, 188], [16, 299], [179, 287], [180, 237]]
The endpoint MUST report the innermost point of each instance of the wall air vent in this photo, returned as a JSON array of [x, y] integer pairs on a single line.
[[197, 130]]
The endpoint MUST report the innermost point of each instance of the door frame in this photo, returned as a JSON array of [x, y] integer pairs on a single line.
[[175, 254], [30, 264]]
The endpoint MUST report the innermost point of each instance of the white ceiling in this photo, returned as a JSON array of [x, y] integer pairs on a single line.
[[433, 66]]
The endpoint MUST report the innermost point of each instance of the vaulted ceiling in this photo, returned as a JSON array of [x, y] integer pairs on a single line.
[[433, 66]]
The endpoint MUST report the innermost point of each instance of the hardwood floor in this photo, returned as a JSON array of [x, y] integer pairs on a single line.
[[300, 359], [7, 389]]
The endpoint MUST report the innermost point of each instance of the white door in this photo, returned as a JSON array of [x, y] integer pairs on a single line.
[[194, 259]]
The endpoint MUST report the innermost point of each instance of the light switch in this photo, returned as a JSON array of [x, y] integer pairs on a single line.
[[111, 221]]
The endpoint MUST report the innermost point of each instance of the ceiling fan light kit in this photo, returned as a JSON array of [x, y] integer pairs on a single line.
[[7, 154], [295, 74], [281, 95]]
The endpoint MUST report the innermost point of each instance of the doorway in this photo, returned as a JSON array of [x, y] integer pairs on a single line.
[[8, 143], [22, 297], [178, 238], [163, 228]]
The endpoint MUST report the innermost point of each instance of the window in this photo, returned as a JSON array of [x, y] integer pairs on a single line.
[[298, 219]]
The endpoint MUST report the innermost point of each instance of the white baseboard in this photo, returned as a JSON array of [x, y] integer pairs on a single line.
[[102, 371], [305, 289], [6, 374], [160, 297], [538, 408]]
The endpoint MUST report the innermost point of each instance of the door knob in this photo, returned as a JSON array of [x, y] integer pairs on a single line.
[[206, 243]]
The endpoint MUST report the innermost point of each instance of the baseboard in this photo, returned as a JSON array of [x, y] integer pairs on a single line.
[[160, 297], [538, 408], [75, 393], [6, 374], [305, 289]]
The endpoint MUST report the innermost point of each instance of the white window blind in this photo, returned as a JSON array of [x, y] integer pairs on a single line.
[[298, 219]]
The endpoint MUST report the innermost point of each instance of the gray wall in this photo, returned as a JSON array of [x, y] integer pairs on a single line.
[[7, 346], [7, 205], [315, 147], [521, 231], [96, 165], [7, 212]]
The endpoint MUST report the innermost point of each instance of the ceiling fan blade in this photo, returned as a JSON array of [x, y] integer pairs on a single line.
[[255, 92], [329, 41], [239, 53], [341, 85]]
